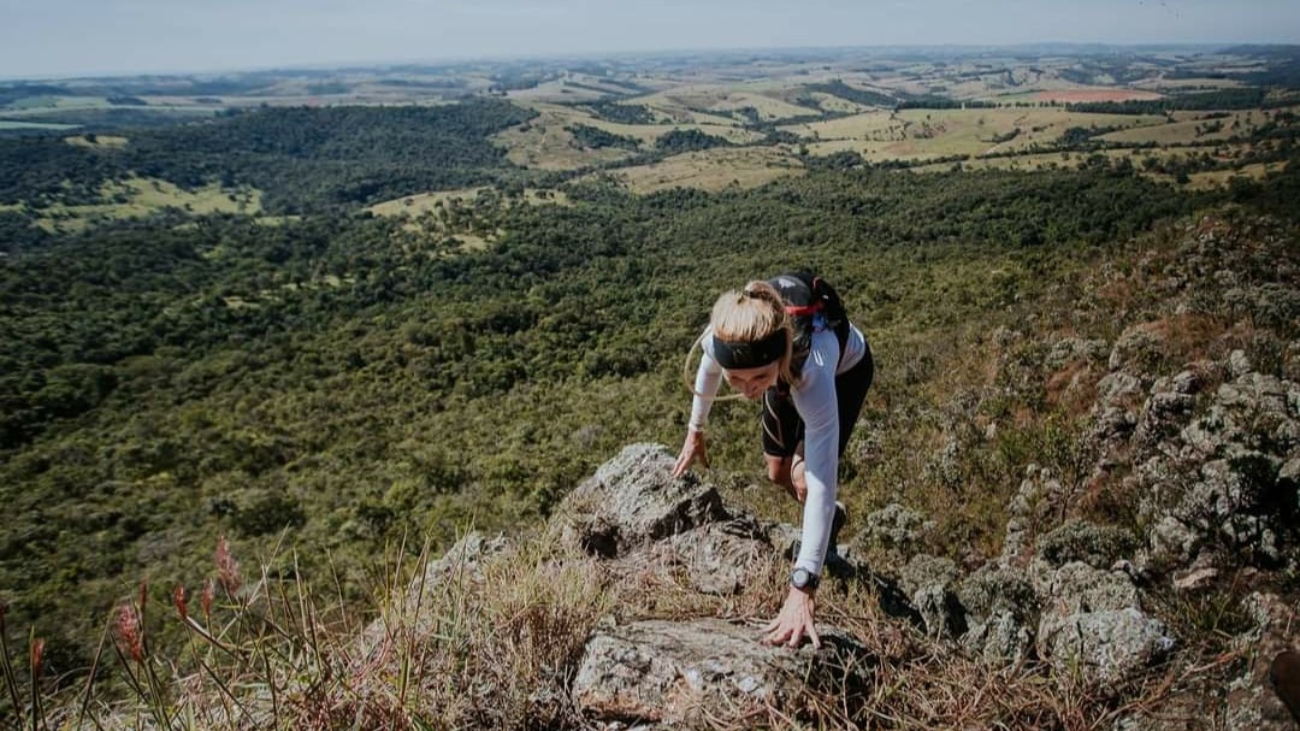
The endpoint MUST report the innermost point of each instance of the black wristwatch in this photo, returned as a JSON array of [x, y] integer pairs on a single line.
[[802, 578]]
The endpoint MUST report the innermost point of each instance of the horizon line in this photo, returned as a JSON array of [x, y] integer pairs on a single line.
[[553, 56]]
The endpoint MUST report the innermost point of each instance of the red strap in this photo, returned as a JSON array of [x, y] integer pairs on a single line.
[[803, 310]]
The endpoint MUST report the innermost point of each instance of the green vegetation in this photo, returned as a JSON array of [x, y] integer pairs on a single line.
[[166, 383], [865, 97], [688, 140], [594, 137], [1251, 98], [303, 158]]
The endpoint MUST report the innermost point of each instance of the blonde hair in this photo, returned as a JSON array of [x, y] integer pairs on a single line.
[[749, 316]]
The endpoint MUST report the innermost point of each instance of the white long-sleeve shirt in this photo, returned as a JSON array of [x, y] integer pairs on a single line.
[[814, 399]]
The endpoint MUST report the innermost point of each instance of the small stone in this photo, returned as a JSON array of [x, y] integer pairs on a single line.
[[1194, 578]]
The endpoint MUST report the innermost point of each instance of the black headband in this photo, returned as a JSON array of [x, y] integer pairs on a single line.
[[754, 354]]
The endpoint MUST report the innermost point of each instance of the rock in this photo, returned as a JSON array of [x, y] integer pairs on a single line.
[[1211, 465], [1195, 578], [1030, 511], [717, 558], [1172, 542], [999, 605], [1105, 648], [928, 582], [1093, 626], [1196, 377], [1097, 546], [465, 558], [633, 500], [1291, 365], [999, 640], [1238, 364], [690, 673], [1162, 416], [993, 589], [1116, 389], [1110, 425], [1253, 703]]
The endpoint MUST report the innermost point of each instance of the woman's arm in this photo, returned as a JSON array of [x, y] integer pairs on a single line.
[[815, 400], [708, 379]]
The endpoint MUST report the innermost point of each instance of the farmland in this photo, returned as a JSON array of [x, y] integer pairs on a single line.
[[1193, 117]]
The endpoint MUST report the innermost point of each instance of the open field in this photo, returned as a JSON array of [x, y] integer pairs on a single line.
[[712, 170], [1191, 127], [100, 141], [1078, 96], [140, 197], [1221, 178], [9, 124], [714, 104], [1159, 83], [544, 144], [917, 133], [1058, 160], [416, 205], [434, 228]]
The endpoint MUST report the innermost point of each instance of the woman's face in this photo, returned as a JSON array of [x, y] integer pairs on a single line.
[[752, 382]]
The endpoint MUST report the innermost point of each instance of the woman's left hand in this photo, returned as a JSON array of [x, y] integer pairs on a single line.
[[795, 621]]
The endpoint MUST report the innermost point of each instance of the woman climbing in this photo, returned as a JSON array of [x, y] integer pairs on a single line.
[[789, 341]]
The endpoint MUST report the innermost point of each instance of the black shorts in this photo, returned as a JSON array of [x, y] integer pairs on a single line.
[[783, 427]]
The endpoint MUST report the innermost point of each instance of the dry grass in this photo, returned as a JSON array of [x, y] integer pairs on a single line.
[[712, 104], [495, 644], [101, 141], [917, 133], [1221, 178], [714, 169], [1184, 130], [421, 203]]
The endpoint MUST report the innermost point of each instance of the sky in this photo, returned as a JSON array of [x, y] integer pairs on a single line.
[[59, 38]]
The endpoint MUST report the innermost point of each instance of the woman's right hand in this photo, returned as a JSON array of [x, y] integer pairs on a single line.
[[692, 450]]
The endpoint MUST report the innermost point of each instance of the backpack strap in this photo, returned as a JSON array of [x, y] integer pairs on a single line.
[[815, 296]]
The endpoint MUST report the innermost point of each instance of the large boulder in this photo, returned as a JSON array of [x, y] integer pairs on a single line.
[[638, 520], [688, 673], [634, 500]]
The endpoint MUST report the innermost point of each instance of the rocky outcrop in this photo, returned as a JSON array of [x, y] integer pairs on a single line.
[[1064, 592], [1223, 483], [633, 500], [1093, 626], [684, 673], [633, 515], [1000, 605]]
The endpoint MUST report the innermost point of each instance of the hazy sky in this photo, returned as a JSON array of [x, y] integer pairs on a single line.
[[70, 37]]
